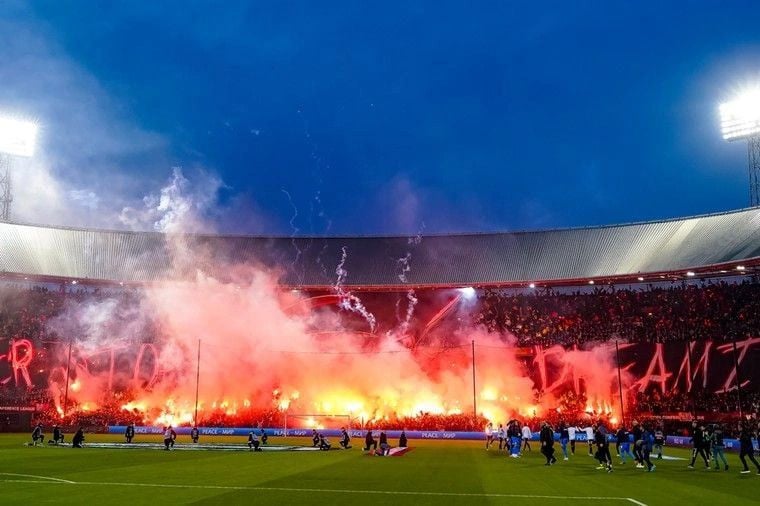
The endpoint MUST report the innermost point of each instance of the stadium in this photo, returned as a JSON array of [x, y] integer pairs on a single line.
[[651, 322], [406, 253]]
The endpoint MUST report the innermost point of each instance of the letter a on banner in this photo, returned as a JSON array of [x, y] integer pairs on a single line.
[[660, 376]]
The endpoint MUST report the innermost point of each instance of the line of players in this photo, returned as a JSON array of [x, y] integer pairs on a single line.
[[640, 443], [380, 447], [645, 442], [38, 436], [510, 438], [707, 443], [258, 437]]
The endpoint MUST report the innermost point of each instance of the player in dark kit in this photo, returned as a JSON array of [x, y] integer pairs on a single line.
[[345, 439], [659, 442], [57, 435], [546, 436], [602, 448], [194, 434], [78, 439], [745, 447], [385, 448], [647, 446], [402, 442], [129, 434], [314, 438], [698, 444], [369, 442], [324, 443], [513, 438], [623, 439]]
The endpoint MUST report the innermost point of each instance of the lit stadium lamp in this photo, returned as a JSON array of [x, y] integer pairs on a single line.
[[590, 281], [532, 285], [17, 140], [17, 137], [740, 119], [467, 292], [740, 267], [640, 278], [690, 273]]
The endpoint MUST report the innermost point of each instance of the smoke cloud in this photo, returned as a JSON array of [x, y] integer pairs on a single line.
[[259, 347]]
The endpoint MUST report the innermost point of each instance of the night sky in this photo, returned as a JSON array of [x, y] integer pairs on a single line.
[[380, 117]]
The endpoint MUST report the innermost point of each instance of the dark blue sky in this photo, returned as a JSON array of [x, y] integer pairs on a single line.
[[382, 116]]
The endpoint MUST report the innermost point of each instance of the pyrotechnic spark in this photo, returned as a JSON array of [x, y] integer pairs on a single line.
[[294, 230], [349, 301]]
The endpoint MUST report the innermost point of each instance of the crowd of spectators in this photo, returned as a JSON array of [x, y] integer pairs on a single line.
[[648, 313], [686, 311]]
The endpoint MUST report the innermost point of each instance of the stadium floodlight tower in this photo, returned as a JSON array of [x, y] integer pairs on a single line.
[[740, 119], [17, 140]]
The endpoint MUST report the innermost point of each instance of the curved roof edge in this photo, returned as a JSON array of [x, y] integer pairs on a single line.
[[479, 259], [390, 236]]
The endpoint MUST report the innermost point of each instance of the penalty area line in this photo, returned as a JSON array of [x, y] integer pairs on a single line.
[[340, 491]]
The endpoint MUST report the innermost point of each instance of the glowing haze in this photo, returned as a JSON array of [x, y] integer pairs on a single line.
[[259, 350]]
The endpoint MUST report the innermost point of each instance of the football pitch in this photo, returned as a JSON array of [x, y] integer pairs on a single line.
[[434, 472]]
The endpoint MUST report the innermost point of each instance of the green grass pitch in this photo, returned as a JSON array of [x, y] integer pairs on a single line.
[[434, 472]]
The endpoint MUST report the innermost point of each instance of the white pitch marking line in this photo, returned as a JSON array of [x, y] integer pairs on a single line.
[[46, 478], [370, 492]]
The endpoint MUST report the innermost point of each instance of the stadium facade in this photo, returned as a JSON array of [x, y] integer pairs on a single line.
[[707, 245]]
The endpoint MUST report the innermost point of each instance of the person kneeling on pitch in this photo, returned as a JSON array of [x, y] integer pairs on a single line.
[[37, 435], [78, 438], [324, 443], [369, 441], [385, 448], [167, 437], [314, 438], [345, 440], [253, 442], [194, 434], [57, 436]]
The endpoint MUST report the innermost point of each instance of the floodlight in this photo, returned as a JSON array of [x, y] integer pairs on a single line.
[[17, 137], [740, 118]]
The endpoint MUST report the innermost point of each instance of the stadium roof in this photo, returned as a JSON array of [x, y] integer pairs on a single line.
[[700, 244]]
